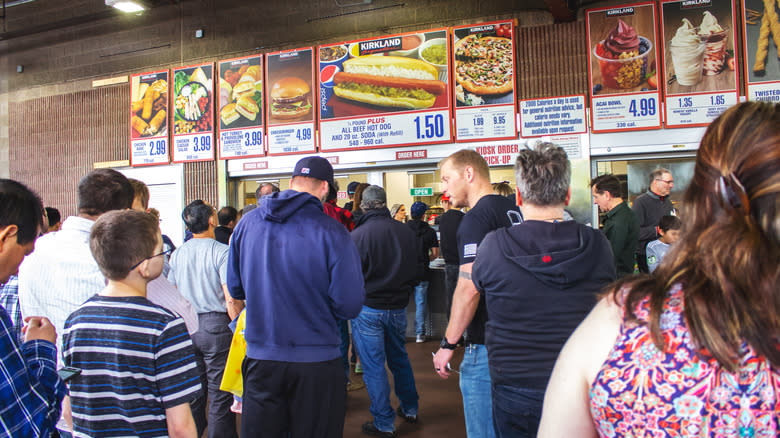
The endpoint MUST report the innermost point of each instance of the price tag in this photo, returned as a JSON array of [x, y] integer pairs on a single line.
[[193, 147], [387, 130], [485, 122], [697, 109], [290, 138], [149, 151], [626, 112], [241, 142]]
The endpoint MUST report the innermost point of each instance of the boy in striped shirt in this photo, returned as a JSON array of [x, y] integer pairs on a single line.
[[138, 371]]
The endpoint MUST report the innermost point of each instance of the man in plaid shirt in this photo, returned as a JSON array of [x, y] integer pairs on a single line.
[[30, 390]]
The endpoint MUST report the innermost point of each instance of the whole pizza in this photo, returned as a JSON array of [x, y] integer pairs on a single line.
[[484, 65]]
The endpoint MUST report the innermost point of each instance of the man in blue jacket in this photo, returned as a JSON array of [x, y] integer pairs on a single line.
[[299, 272], [392, 264]]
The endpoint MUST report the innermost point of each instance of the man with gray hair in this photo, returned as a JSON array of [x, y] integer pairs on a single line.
[[540, 279], [649, 208], [265, 189], [391, 259]]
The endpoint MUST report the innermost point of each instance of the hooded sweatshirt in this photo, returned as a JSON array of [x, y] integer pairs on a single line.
[[540, 280], [391, 259], [299, 272]]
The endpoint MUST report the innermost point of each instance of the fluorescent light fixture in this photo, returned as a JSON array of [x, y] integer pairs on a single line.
[[129, 6]]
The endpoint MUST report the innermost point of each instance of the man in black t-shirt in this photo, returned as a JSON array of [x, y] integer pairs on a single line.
[[466, 180], [448, 244]]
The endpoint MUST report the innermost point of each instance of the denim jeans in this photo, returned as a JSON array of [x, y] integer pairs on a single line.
[[420, 299], [476, 389], [517, 411], [380, 336]]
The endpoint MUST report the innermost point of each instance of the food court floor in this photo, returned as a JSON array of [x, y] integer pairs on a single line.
[[441, 406]]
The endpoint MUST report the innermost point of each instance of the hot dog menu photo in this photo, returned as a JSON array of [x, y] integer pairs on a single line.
[[149, 118], [761, 25], [384, 92], [290, 101], [700, 78], [240, 103], [192, 104], [623, 60], [484, 76]]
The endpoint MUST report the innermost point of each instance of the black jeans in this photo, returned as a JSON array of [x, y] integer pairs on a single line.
[[516, 411], [293, 399], [212, 344], [451, 273]]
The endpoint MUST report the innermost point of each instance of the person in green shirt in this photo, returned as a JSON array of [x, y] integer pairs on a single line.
[[621, 225]]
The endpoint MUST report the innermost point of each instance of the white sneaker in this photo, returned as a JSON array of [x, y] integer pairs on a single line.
[[420, 339]]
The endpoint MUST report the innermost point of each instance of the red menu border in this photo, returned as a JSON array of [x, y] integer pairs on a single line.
[[218, 130], [213, 112], [167, 121]]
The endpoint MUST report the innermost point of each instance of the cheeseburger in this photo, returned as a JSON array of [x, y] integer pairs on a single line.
[[290, 98]]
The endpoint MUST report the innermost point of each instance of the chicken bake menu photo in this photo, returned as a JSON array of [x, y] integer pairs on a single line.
[[700, 78], [622, 66], [484, 81], [384, 92], [192, 104], [290, 80], [240, 104], [149, 118]]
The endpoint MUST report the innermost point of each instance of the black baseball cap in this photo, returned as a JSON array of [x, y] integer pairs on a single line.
[[314, 167], [352, 187]]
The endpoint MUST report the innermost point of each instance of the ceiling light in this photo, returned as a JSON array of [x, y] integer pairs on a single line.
[[129, 6]]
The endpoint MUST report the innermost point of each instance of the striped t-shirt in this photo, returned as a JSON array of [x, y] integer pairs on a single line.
[[136, 359]]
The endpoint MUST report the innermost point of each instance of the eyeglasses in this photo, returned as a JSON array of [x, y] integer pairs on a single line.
[[166, 252], [671, 181]]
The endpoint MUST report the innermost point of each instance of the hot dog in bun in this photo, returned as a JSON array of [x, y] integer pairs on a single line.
[[290, 98], [392, 81]]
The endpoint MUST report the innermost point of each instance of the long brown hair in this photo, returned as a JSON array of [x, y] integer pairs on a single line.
[[358, 197], [728, 258]]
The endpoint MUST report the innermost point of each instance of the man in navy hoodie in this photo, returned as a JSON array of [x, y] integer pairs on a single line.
[[299, 272], [540, 279], [392, 264]]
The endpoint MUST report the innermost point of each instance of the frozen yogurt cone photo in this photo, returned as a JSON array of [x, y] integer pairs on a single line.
[[687, 51]]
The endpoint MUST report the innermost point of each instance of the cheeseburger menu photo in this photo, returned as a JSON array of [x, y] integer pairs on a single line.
[[290, 103], [384, 75]]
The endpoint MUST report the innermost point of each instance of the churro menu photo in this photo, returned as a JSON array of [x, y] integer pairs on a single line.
[[240, 106], [484, 75], [149, 118], [290, 90], [193, 114], [383, 92], [700, 74], [761, 20], [623, 61]]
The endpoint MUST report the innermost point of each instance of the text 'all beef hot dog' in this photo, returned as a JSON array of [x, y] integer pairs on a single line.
[[389, 81]]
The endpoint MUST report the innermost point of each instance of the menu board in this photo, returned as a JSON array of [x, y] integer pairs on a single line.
[[761, 24], [700, 80], [192, 103], [149, 118], [384, 92], [553, 116], [484, 81], [240, 103], [290, 109], [622, 48]]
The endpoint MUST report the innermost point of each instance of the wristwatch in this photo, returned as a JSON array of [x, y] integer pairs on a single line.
[[446, 345]]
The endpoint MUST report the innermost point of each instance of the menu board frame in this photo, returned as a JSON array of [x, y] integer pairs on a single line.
[[749, 52], [469, 108], [701, 95], [212, 105], [657, 93], [218, 116], [167, 136], [584, 114], [268, 101], [321, 98]]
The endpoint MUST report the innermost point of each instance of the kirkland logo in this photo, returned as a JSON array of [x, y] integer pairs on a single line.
[[688, 4], [620, 11], [383, 45]]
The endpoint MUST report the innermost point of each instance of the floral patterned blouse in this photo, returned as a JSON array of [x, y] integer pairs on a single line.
[[643, 392]]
